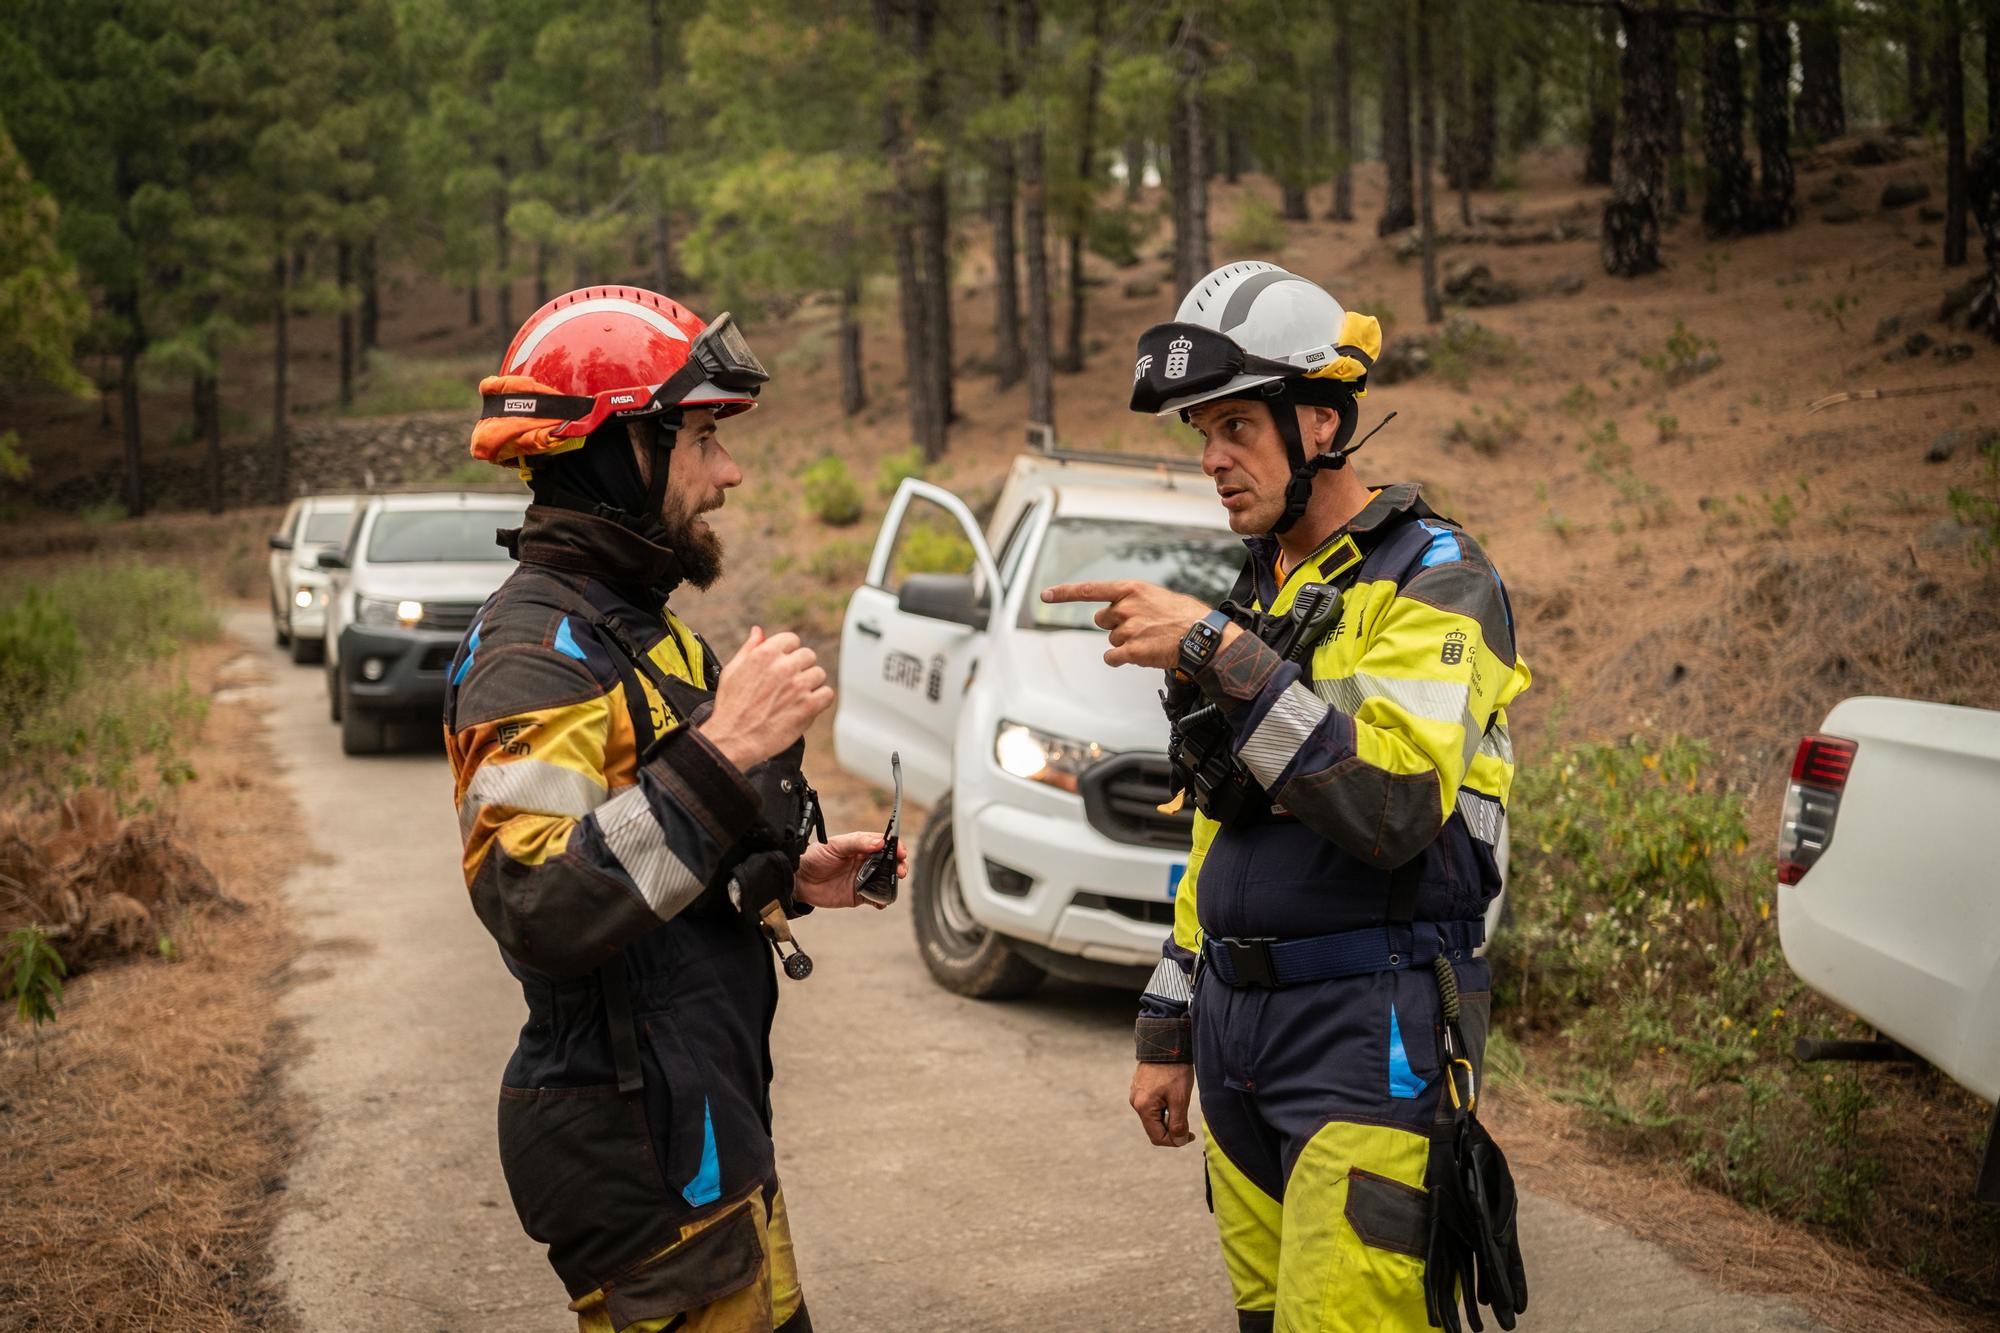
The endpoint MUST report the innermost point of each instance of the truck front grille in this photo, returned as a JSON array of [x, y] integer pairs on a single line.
[[453, 616], [1121, 796]]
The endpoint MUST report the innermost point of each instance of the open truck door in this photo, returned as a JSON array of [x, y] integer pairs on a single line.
[[912, 638]]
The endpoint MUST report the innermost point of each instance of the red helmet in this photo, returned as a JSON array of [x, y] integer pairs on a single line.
[[603, 352]]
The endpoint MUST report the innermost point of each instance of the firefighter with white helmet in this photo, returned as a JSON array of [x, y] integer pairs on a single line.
[[1340, 723], [637, 825]]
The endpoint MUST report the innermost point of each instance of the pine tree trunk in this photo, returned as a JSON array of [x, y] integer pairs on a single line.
[[125, 305], [371, 302], [1190, 162], [472, 302], [1992, 54], [1631, 230], [1399, 211], [934, 221], [1000, 192], [1482, 153], [343, 276], [1982, 178], [1035, 242], [1460, 94], [1235, 155], [503, 244], [208, 425], [1917, 73], [853, 385], [1677, 173], [1601, 144], [1086, 190], [656, 133], [926, 418], [281, 444], [1726, 210], [1343, 114], [1135, 167], [1822, 109], [1530, 119], [1955, 200], [1426, 134], [1775, 205]]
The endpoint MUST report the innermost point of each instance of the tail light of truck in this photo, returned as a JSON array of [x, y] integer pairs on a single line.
[[1819, 774]]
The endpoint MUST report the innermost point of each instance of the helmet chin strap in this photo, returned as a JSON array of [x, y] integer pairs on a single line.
[[1299, 487]]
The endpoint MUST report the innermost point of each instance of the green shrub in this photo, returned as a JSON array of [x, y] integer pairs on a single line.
[[891, 471], [1115, 235], [1464, 347], [82, 702], [931, 546], [1489, 435], [31, 973], [831, 495], [1685, 355], [1259, 229], [841, 562], [1980, 510]]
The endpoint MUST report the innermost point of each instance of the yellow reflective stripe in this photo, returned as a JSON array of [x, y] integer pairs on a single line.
[[1249, 1222], [1331, 1280], [528, 840], [1187, 928]]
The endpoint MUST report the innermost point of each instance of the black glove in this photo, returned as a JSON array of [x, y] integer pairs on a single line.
[[1474, 1254]]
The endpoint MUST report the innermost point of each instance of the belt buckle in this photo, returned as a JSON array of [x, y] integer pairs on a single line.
[[1251, 960]]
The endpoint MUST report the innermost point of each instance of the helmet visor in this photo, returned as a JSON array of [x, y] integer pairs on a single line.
[[1180, 361], [725, 356]]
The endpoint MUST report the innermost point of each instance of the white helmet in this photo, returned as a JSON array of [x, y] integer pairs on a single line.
[[1269, 312], [1254, 330]]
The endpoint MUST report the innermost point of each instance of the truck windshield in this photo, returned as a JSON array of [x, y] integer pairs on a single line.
[[326, 526], [1200, 562], [439, 536]]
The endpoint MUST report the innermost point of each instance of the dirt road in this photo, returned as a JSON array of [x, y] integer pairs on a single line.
[[949, 1165]]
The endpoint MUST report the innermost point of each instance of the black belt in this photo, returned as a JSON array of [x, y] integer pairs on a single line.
[[1349, 953]]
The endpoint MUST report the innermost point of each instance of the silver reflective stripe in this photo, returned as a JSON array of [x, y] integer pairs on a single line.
[[1482, 815], [1168, 982], [1284, 729], [640, 845], [1432, 700], [532, 786], [1499, 745]]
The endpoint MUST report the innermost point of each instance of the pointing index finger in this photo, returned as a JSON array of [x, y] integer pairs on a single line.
[[1100, 591]]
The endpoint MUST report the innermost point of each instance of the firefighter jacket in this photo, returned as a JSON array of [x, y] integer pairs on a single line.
[[1388, 753], [600, 834]]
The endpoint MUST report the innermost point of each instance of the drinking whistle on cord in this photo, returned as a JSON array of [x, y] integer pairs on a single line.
[[876, 880]]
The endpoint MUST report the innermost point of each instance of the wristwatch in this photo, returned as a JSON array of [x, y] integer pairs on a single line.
[[1199, 644]]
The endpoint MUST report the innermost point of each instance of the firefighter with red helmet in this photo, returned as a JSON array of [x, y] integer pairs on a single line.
[[638, 831]]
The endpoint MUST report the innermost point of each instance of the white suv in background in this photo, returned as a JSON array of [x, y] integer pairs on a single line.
[[410, 576], [313, 524]]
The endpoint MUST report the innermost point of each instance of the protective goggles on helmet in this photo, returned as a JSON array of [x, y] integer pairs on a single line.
[[1187, 360], [721, 356]]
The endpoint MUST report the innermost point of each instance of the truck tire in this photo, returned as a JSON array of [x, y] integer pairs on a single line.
[[963, 956], [306, 652], [333, 708], [279, 631], [361, 732]]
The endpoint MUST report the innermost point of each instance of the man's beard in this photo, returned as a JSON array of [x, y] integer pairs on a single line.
[[700, 552]]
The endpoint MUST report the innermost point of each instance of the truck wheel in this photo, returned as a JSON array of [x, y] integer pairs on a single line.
[[333, 701], [305, 652], [361, 732], [963, 956], [278, 630]]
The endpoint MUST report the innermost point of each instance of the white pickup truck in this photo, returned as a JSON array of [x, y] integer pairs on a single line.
[[1042, 766], [1889, 884]]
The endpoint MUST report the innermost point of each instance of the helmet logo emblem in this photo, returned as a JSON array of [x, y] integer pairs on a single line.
[[1139, 371], [1453, 651], [518, 405], [1177, 357], [621, 398]]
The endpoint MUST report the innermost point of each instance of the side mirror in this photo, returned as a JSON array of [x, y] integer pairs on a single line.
[[279, 542], [330, 560], [943, 597]]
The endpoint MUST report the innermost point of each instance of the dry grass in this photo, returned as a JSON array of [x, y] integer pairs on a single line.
[[141, 1169]]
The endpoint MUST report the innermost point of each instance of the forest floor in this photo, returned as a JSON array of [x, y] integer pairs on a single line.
[[1683, 538]]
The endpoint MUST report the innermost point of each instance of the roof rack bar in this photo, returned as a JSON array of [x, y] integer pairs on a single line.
[[1042, 437]]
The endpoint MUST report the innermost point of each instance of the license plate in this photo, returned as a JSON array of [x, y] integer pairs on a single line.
[[1174, 873]]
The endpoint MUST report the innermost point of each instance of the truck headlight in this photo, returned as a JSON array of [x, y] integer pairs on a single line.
[[303, 598], [385, 611], [1040, 757]]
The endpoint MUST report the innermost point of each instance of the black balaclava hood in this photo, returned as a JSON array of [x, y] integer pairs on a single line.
[[602, 478]]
